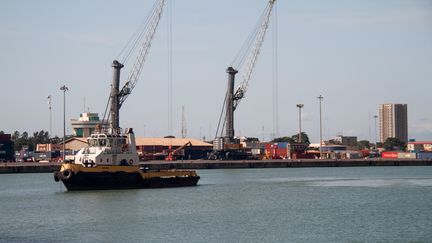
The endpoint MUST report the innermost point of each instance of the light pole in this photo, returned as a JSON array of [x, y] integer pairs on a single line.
[[376, 140], [50, 115], [300, 106], [64, 89], [320, 113]]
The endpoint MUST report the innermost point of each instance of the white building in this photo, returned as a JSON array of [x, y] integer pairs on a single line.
[[85, 125]]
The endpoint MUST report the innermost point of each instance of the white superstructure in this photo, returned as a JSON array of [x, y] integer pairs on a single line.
[[109, 149]]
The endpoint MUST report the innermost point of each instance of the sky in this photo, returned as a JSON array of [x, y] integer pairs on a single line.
[[356, 54]]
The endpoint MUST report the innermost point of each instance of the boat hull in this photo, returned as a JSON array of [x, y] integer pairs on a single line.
[[110, 180]]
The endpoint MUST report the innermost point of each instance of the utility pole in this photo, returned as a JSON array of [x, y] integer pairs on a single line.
[[320, 114], [50, 115], [300, 106], [183, 131], [64, 89]]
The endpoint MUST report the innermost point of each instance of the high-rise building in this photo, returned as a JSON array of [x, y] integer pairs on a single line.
[[393, 122]]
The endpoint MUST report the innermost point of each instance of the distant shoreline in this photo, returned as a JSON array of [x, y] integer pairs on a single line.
[[34, 167]]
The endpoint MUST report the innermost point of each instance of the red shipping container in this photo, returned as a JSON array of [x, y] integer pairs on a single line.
[[389, 155]]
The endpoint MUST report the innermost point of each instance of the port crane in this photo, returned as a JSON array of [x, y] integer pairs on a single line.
[[225, 146], [143, 39]]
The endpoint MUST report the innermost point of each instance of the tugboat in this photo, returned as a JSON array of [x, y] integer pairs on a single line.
[[110, 160]]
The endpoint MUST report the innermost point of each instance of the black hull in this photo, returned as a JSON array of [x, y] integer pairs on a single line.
[[121, 180]]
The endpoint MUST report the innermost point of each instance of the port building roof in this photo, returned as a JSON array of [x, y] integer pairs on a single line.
[[170, 141]]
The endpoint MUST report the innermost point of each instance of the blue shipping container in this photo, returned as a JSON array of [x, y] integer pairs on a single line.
[[424, 155], [282, 145]]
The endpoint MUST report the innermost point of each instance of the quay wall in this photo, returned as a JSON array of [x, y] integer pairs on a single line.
[[9, 168], [210, 164]]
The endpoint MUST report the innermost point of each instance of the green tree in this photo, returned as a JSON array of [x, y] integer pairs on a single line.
[[394, 144], [55, 139], [363, 144], [15, 135], [304, 138], [283, 140], [250, 139]]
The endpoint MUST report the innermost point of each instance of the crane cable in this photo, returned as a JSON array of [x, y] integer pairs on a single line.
[[132, 45], [136, 38], [220, 117], [275, 76], [240, 58], [243, 54], [170, 70]]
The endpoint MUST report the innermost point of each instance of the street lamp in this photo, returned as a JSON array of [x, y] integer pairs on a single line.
[[376, 140], [64, 89], [320, 113], [300, 106], [50, 115]]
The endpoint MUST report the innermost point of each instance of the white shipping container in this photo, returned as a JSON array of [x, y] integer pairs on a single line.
[[407, 155], [256, 151]]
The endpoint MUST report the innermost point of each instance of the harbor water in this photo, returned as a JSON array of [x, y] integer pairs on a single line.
[[346, 204]]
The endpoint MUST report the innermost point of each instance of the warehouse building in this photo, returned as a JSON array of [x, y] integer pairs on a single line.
[[183, 148]]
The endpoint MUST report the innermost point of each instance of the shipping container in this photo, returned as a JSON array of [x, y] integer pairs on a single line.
[[256, 151], [353, 155], [424, 155], [51, 155], [46, 147], [5, 137], [7, 151], [403, 155], [389, 155], [282, 145], [277, 153]]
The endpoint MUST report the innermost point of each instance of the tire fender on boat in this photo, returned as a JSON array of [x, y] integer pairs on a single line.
[[56, 178], [66, 174]]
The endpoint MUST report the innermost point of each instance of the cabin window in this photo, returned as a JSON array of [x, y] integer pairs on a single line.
[[101, 160], [102, 142], [107, 160]]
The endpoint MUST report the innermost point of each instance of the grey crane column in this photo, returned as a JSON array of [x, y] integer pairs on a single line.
[[229, 122], [115, 107]]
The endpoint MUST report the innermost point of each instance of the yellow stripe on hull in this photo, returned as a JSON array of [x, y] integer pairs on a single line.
[[128, 169]]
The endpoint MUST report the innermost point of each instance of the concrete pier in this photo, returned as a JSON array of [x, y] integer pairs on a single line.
[[26, 167]]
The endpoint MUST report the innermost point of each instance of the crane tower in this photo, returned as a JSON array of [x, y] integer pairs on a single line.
[[245, 62], [142, 38]]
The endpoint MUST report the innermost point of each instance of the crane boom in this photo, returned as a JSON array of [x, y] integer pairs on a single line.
[[244, 61], [150, 31], [253, 54]]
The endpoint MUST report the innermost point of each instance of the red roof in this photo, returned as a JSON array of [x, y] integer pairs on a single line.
[[421, 142]]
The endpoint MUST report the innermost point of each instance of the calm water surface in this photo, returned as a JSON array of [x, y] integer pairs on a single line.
[[359, 204]]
